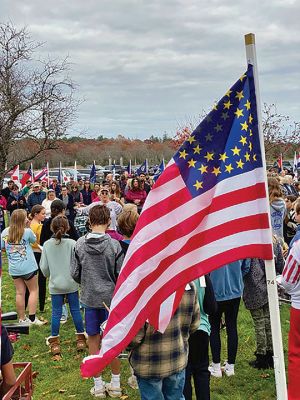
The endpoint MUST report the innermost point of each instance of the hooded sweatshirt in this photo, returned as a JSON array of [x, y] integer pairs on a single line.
[[96, 263], [277, 212]]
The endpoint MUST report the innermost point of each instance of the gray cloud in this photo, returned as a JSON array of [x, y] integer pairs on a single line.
[[145, 67]]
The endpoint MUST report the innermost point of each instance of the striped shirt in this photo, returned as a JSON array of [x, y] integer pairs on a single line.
[[290, 279]]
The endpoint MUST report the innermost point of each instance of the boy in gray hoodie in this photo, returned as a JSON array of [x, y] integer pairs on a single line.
[[96, 263]]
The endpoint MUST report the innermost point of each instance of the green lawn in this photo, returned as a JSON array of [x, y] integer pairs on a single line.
[[61, 380]]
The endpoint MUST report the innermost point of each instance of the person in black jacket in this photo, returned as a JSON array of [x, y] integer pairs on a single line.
[[6, 192], [15, 200], [68, 201], [57, 208]]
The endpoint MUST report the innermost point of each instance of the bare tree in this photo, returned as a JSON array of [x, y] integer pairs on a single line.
[[36, 98], [280, 134]]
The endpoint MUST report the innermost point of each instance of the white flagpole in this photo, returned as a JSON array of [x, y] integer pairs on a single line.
[[32, 176], [279, 366], [48, 173], [75, 171]]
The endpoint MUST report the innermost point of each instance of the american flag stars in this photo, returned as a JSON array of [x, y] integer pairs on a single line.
[[226, 142]]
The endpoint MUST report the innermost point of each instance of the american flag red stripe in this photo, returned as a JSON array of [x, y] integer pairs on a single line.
[[202, 235]]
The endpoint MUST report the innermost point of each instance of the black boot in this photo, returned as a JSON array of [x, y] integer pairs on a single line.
[[261, 362], [270, 360]]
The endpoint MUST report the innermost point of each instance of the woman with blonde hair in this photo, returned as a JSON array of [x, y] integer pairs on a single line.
[[277, 207], [22, 267]]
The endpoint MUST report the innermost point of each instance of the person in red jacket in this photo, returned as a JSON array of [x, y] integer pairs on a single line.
[[136, 194]]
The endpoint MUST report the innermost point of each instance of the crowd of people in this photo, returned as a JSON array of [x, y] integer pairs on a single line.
[[75, 237]]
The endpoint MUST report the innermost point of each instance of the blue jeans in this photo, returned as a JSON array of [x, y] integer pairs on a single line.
[[57, 303], [169, 388]]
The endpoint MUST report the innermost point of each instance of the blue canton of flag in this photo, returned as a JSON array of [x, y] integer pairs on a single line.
[[93, 174], [226, 143]]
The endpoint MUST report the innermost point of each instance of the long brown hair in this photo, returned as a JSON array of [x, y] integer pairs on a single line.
[[116, 192], [59, 226], [275, 191], [16, 226]]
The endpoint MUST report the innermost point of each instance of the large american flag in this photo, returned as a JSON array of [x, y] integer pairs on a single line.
[[207, 209]]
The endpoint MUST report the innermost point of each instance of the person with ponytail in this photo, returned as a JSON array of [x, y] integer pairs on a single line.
[[55, 264], [38, 214], [22, 266]]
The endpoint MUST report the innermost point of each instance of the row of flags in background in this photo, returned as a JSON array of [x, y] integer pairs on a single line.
[[296, 164]]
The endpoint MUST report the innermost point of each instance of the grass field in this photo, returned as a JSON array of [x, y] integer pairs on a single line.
[[61, 379]]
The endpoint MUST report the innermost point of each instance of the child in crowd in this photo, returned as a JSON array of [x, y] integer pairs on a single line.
[[96, 263], [277, 207], [55, 264], [38, 214], [22, 267]]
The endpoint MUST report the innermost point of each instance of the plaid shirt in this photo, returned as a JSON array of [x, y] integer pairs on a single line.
[[157, 355]]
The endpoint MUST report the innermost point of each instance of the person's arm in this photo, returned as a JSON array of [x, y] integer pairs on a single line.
[[279, 260], [7, 369], [44, 265], [209, 301], [75, 267], [119, 260], [291, 272], [31, 236], [196, 314]]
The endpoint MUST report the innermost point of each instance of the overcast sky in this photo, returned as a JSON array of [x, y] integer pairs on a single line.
[[147, 67]]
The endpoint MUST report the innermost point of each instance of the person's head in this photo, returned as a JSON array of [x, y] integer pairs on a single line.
[[15, 189], [109, 177], [126, 222], [28, 183], [54, 182], [44, 184], [17, 224], [136, 184], [74, 187], [289, 201], [104, 194], [57, 207], [274, 188], [80, 182], [64, 190], [142, 177], [36, 187], [10, 184], [99, 215], [115, 188], [297, 211], [87, 185], [59, 226], [38, 213], [96, 187], [51, 194]]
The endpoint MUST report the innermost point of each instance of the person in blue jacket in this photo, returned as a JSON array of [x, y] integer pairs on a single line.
[[228, 286]]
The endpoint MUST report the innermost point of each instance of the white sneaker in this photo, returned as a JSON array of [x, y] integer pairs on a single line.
[[132, 382], [100, 392], [229, 369], [38, 322], [215, 370], [26, 320], [113, 391], [63, 319]]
